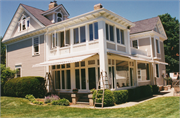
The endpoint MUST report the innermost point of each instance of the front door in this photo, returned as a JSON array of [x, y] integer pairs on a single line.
[[92, 78]]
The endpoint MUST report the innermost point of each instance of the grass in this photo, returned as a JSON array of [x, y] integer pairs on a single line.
[[158, 107]]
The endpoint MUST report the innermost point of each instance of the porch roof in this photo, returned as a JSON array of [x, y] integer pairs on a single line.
[[60, 61]]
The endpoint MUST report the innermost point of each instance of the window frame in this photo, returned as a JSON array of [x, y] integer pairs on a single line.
[[18, 66], [107, 26], [79, 35], [93, 31], [33, 51], [59, 17], [137, 43], [20, 23], [120, 36], [158, 46]]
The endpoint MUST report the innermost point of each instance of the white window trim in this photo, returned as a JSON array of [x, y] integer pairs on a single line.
[[18, 66], [158, 46], [33, 53], [137, 43], [55, 38], [21, 21]]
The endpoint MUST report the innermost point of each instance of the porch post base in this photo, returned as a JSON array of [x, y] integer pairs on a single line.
[[91, 103], [74, 98]]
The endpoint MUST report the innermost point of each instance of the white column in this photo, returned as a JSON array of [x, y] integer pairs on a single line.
[[115, 37], [71, 40], [47, 44], [155, 50], [87, 36], [128, 47], [103, 60]]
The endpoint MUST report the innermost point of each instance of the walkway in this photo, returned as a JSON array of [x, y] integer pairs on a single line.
[[128, 104]]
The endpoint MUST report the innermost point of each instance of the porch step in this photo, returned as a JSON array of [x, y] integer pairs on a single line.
[[84, 103]]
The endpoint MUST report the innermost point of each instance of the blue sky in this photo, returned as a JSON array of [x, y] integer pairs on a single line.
[[132, 10]]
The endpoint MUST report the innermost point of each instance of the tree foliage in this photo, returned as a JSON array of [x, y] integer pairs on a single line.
[[3, 52], [171, 45], [6, 74]]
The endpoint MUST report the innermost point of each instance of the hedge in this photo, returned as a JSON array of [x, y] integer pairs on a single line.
[[108, 97], [120, 96], [19, 87]]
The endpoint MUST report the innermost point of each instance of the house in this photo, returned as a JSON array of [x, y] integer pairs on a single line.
[[76, 50]]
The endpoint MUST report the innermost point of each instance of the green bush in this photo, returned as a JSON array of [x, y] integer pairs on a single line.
[[30, 97], [63, 102], [25, 85], [35, 102], [155, 89], [120, 96], [108, 97]]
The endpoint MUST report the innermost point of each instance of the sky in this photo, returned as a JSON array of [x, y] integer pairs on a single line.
[[133, 10]]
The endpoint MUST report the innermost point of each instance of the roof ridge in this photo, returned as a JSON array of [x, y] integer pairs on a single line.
[[146, 19], [32, 7], [51, 8]]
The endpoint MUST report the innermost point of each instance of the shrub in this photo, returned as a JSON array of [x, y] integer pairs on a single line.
[[51, 98], [120, 96], [40, 103], [25, 85], [63, 102], [108, 97], [155, 89], [30, 97], [35, 102]]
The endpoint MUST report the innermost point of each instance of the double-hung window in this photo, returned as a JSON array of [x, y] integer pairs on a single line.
[[120, 36], [157, 46], [54, 40], [93, 31], [135, 44], [64, 38], [109, 32], [36, 47], [18, 70], [79, 35]]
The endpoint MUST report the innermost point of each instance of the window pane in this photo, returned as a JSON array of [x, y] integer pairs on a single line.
[[68, 78], [83, 78], [107, 32], [135, 45], [90, 62], [28, 23], [18, 72], [90, 32], [82, 63], [67, 37], [53, 67], [67, 65], [111, 33], [96, 30], [63, 66], [77, 79], [157, 70], [36, 44], [76, 64], [157, 46], [122, 36], [57, 79], [82, 33], [63, 82], [58, 66], [122, 71], [109, 61], [62, 39], [53, 40], [118, 37], [76, 36]]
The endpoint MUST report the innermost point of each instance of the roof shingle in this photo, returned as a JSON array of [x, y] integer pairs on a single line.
[[144, 25], [37, 14]]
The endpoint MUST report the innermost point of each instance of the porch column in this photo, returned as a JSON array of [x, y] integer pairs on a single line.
[[103, 61], [127, 41]]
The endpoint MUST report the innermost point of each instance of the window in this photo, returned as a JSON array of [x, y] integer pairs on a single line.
[[36, 42], [135, 44], [139, 74], [157, 46], [143, 71], [65, 38], [120, 36], [59, 17], [109, 32], [57, 80], [79, 35], [82, 34], [91, 62], [23, 23], [76, 36], [18, 72], [54, 40], [157, 70], [93, 31], [68, 79]]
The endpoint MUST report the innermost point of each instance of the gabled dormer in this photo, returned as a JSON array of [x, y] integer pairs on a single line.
[[56, 13]]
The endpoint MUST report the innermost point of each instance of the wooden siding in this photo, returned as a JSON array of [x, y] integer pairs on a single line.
[[144, 44], [21, 53]]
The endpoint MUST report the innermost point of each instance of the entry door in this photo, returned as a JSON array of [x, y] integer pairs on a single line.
[[131, 76], [92, 78]]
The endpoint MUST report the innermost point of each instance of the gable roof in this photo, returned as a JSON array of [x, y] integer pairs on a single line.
[[144, 25], [37, 13]]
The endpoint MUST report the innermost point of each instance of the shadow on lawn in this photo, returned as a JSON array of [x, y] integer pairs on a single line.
[[146, 98]]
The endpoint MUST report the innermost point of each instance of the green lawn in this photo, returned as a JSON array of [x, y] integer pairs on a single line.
[[158, 107]]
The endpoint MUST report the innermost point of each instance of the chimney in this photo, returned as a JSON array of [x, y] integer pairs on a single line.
[[98, 6], [52, 4]]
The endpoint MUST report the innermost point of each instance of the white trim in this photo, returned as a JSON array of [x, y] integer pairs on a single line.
[[37, 53]]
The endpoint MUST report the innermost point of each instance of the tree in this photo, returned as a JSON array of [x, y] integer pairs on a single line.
[[3, 52], [6, 74], [171, 45]]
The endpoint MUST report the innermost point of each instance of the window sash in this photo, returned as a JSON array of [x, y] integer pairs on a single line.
[[135, 44], [36, 44], [93, 31]]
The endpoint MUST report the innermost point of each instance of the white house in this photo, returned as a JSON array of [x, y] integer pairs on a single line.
[[76, 50]]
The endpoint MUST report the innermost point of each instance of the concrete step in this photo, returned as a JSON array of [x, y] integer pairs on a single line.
[[84, 103]]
